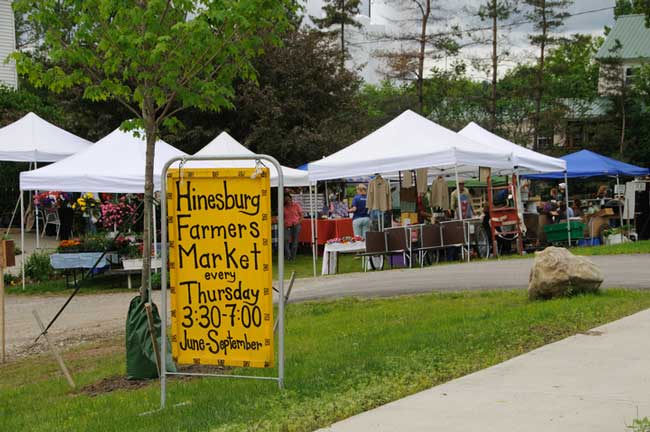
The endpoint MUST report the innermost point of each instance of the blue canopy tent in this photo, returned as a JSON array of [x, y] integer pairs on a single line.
[[585, 163]]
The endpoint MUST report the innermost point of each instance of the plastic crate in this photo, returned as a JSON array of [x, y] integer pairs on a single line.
[[558, 232]]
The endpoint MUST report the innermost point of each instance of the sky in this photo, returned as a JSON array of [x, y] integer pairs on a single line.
[[463, 13]]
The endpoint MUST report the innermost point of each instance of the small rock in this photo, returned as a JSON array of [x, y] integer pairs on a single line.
[[558, 273]]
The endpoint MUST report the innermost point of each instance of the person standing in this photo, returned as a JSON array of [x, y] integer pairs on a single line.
[[360, 219], [292, 225], [465, 201]]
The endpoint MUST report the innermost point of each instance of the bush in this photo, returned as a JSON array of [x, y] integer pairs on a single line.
[[38, 266], [10, 279]]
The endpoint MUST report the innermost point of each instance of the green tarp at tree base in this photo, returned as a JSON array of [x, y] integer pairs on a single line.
[[140, 355]]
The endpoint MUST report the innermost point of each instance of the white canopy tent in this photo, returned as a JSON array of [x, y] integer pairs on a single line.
[[225, 145], [115, 163], [409, 141], [525, 160], [32, 139]]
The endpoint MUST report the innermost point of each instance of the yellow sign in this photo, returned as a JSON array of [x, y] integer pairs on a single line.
[[220, 266]]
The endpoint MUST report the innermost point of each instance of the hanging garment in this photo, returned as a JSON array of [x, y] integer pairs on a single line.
[[421, 180], [379, 194], [407, 179], [439, 194]]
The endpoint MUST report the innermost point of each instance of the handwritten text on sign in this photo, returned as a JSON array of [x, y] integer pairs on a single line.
[[220, 266]]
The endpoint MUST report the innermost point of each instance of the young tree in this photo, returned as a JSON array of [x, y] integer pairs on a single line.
[[418, 43], [628, 7], [546, 16], [616, 88], [339, 13], [155, 57], [496, 11]]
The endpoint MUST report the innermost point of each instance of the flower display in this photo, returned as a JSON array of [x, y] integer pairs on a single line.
[[118, 215], [51, 199], [88, 206], [345, 239], [73, 245]]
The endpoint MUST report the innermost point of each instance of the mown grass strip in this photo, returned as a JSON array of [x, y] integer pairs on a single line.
[[343, 357]]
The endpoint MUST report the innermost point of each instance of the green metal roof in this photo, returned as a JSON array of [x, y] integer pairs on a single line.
[[633, 35], [581, 109]]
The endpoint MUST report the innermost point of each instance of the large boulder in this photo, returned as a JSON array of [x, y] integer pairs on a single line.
[[557, 273]]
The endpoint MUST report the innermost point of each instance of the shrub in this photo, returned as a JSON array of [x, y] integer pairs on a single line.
[[38, 266], [10, 279]]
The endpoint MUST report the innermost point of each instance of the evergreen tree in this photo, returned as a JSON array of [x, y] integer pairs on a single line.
[[546, 16], [339, 13], [495, 11]]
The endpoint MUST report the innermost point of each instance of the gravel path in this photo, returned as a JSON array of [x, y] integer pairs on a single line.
[[91, 316]]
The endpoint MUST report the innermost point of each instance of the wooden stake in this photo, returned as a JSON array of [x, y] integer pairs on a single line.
[[54, 351]]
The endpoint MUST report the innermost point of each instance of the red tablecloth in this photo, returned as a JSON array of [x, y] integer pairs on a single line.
[[327, 229]]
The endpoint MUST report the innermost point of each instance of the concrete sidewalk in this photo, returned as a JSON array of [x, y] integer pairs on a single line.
[[598, 381]]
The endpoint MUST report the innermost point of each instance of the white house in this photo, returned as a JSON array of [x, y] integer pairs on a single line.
[[8, 75], [629, 43]]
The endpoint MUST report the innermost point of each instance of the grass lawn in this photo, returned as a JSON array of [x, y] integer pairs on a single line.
[[343, 357]]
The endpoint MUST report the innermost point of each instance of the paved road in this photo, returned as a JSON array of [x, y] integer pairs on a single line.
[[592, 382], [623, 271], [90, 316]]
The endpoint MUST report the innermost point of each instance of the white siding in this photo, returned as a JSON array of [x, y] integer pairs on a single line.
[[8, 74]]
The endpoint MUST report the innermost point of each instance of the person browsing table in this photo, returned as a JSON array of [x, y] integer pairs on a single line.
[[360, 219], [292, 225]]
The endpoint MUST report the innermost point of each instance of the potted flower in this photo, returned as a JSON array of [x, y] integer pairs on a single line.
[[132, 257], [88, 252], [616, 235]]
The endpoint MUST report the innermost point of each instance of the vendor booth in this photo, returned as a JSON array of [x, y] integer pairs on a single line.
[[114, 164], [586, 164], [34, 140], [410, 150], [526, 161]]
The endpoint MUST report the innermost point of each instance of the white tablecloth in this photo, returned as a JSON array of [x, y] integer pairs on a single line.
[[330, 254]]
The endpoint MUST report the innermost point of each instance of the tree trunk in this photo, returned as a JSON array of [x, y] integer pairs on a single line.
[[423, 45], [540, 78], [342, 45], [493, 101], [621, 144], [150, 127]]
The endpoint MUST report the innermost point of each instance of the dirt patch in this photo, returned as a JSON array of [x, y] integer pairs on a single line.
[[593, 333], [111, 384]]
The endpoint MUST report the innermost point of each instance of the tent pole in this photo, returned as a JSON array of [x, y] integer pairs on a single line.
[[38, 241], [154, 236], [460, 207], [566, 212], [312, 205], [620, 207], [13, 215], [22, 237]]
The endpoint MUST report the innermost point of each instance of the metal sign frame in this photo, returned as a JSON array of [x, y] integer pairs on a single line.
[[165, 258]]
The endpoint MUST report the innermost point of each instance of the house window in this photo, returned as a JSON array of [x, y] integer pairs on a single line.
[[630, 74], [544, 141]]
